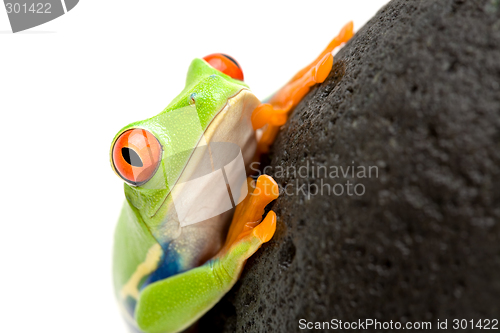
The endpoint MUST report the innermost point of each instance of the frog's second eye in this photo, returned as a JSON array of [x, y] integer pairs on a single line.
[[136, 156], [225, 64]]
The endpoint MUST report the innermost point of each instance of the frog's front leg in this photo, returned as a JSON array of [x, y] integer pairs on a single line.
[[175, 303], [275, 113]]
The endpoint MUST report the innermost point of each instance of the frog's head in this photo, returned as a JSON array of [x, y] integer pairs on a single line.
[[150, 155]]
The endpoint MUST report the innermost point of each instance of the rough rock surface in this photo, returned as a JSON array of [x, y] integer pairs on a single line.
[[416, 93]]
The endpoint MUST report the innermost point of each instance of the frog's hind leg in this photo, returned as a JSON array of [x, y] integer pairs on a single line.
[[275, 113]]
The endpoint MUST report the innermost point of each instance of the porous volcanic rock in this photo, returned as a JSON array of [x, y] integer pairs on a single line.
[[416, 94]]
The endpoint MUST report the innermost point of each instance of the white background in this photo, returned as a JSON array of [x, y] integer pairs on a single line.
[[66, 88]]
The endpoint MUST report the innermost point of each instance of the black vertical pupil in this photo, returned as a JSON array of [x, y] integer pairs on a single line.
[[232, 59], [131, 157]]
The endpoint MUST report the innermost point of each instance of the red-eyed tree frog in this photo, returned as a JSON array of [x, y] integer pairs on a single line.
[[169, 272]]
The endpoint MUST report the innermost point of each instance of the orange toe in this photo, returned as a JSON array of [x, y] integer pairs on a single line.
[[265, 230], [266, 189], [346, 33], [323, 68]]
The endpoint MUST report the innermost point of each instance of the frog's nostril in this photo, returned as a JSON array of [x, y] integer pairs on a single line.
[[131, 157]]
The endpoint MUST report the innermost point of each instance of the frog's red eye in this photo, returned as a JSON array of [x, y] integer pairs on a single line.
[[136, 156], [225, 64]]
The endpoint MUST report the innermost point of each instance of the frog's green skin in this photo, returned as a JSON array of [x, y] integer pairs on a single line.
[[158, 280]]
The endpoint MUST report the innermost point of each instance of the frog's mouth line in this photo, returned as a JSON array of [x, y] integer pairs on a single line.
[[210, 132]]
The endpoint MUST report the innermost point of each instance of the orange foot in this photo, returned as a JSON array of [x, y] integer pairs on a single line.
[[275, 113], [246, 225]]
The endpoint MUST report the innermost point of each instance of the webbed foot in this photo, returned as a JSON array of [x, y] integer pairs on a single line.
[[246, 227], [275, 113]]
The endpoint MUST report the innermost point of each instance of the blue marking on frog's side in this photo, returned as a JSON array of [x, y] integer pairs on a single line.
[[169, 265]]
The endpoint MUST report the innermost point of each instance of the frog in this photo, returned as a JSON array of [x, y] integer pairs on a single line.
[[175, 257]]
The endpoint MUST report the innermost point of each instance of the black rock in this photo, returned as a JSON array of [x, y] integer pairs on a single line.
[[416, 94]]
